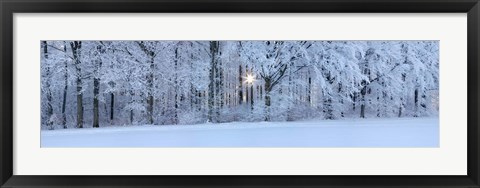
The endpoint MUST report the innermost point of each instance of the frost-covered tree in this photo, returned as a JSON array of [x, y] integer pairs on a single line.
[[46, 87], [273, 61], [337, 73], [76, 49], [103, 83]]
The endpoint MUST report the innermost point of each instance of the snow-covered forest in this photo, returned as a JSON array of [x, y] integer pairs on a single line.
[[105, 83]]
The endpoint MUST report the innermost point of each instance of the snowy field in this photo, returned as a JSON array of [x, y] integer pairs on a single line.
[[403, 132]]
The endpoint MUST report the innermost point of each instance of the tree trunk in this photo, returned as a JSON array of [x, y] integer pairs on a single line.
[[309, 92], [175, 85], [362, 110], [363, 92], [354, 99], [220, 86], [131, 117], [200, 101], [79, 104], [150, 109], [257, 94], [260, 90], [96, 90], [251, 90], [423, 102], [240, 87], [193, 96], [76, 46], [247, 97], [48, 91], [65, 89], [400, 108], [64, 116], [112, 103], [150, 93], [132, 100], [327, 100], [211, 85], [150, 78], [267, 99], [327, 107], [251, 96], [416, 103]]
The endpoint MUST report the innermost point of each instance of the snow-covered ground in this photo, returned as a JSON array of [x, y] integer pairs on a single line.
[[402, 132]]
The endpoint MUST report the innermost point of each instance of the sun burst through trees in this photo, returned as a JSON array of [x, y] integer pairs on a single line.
[[103, 83], [250, 79]]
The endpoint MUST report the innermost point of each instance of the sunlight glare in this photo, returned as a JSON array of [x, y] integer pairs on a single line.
[[250, 79]]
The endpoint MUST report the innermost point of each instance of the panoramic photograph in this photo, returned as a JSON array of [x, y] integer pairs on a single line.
[[239, 94]]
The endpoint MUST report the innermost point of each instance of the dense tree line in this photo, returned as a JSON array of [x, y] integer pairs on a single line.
[[101, 83]]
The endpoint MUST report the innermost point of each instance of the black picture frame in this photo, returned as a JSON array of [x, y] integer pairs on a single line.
[[9, 7]]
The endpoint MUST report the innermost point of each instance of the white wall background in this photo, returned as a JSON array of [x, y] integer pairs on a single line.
[[449, 159]]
